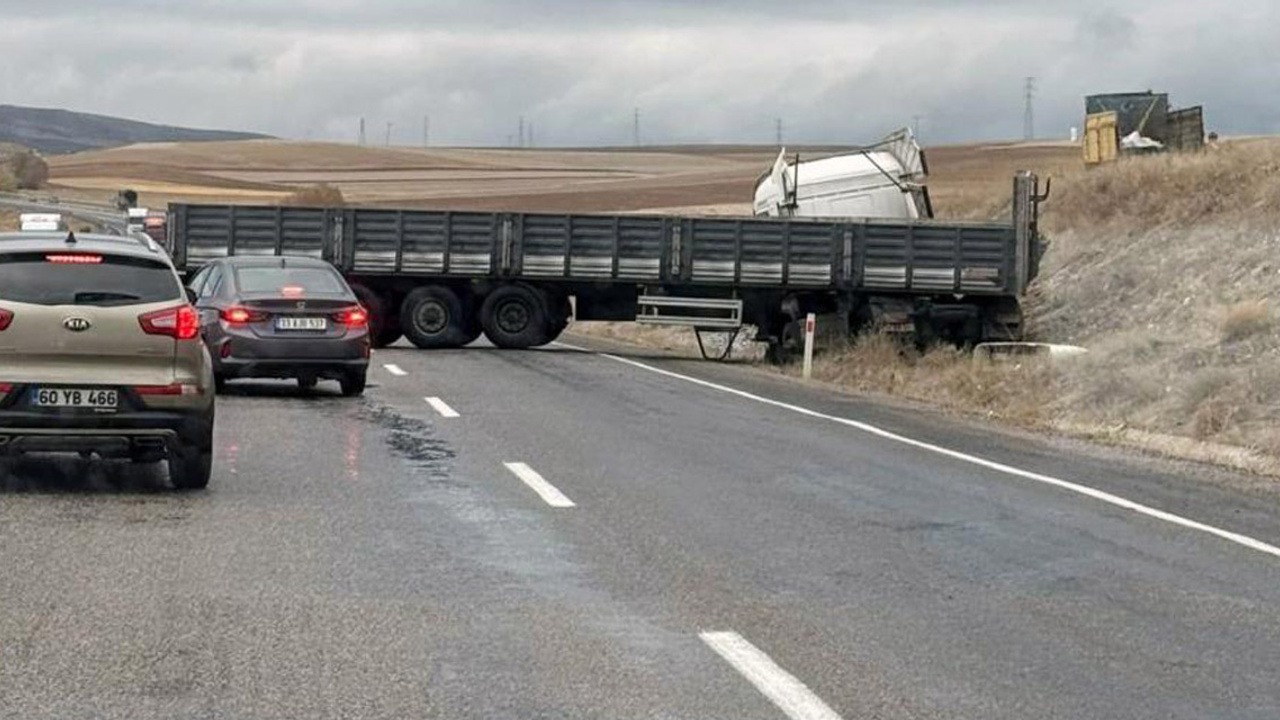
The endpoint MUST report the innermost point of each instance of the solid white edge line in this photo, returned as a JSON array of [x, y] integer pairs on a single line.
[[548, 492], [781, 687], [442, 407], [395, 370], [1106, 497]]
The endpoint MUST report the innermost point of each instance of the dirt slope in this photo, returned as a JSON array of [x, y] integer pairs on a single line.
[[1168, 269]]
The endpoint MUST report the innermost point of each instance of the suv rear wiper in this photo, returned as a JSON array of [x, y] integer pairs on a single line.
[[99, 296]]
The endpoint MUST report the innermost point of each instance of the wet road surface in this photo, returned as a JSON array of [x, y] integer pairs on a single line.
[[556, 534]]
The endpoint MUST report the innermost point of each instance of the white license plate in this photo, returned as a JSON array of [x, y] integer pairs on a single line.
[[302, 323], [77, 398]]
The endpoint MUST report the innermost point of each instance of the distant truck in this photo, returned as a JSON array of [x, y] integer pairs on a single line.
[[33, 222], [441, 278], [882, 181], [1137, 123]]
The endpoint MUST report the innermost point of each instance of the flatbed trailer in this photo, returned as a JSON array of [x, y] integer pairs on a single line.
[[442, 278]]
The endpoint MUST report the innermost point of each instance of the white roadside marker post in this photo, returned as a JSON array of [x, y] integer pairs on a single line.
[[810, 328]]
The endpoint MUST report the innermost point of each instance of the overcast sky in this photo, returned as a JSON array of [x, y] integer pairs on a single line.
[[706, 71]]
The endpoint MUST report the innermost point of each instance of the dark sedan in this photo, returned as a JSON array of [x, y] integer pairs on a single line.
[[282, 317]]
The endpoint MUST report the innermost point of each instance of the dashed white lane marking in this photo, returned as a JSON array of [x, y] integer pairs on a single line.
[[545, 490], [1106, 497], [442, 407], [780, 686], [395, 370]]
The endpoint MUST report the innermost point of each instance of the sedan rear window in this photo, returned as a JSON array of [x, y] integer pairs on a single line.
[[290, 281], [85, 279]]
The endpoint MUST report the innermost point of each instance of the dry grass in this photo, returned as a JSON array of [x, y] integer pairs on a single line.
[[8, 220], [1244, 320], [1020, 392], [1165, 267], [321, 195]]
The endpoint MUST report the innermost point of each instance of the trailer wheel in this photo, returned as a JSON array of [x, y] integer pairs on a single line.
[[513, 316], [785, 349], [433, 317], [384, 326]]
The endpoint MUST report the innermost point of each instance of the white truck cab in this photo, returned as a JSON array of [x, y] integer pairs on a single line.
[[883, 180]]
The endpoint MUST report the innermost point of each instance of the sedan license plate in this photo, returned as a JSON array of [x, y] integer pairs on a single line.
[[76, 398], [302, 323]]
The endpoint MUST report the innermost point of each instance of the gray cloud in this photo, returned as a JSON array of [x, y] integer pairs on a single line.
[[708, 71]]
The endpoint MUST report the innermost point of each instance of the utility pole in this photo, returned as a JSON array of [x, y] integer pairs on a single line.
[[521, 131], [635, 128], [426, 131], [361, 132], [1029, 117], [531, 142], [915, 124], [389, 125], [778, 129]]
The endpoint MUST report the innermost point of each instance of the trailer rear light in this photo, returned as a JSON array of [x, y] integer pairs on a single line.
[[353, 317], [171, 390], [241, 316], [6, 318], [179, 322], [74, 259]]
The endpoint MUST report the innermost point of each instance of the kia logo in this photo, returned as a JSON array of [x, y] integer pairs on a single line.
[[77, 324]]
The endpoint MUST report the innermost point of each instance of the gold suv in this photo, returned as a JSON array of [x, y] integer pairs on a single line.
[[100, 354]]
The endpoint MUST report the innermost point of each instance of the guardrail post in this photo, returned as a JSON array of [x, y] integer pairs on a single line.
[[810, 329]]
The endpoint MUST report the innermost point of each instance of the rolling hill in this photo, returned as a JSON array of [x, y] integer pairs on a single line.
[[63, 131]]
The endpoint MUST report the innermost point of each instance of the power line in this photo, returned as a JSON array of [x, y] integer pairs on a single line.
[[1029, 116]]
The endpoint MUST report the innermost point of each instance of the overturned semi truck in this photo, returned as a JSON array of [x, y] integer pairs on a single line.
[[442, 278]]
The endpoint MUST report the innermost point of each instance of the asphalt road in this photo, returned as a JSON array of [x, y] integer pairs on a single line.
[[657, 548]]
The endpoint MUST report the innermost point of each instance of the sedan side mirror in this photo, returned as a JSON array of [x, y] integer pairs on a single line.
[[191, 296]]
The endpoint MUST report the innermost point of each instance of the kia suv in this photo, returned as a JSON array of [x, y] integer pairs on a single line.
[[100, 354]]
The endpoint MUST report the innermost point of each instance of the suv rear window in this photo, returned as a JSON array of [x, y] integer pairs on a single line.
[[311, 280], [85, 279]]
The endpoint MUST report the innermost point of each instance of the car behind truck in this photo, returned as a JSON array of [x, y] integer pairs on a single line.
[[442, 278]]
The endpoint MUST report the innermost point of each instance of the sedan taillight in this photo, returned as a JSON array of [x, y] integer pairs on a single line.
[[352, 317], [6, 318], [179, 322], [5, 388], [241, 316]]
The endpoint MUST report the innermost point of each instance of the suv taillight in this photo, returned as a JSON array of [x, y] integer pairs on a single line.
[[352, 317], [179, 322], [6, 317]]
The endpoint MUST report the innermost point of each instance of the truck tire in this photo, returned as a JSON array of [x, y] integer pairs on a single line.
[[433, 317], [515, 317], [384, 326]]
